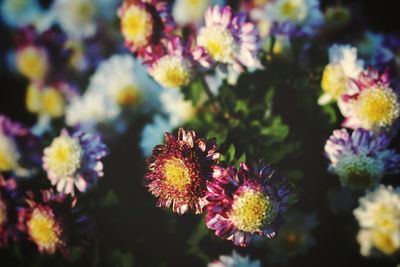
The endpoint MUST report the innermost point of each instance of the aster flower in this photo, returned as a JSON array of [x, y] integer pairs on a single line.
[[228, 39], [178, 171], [362, 158], [246, 202], [32, 62], [125, 81], [153, 133], [189, 12], [54, 222], [379, 219], [19, 13], [336, 78], [10, 208], [74, 160], [374, 105], [234, 260], [144, 22], [294, 17], [176, 107]]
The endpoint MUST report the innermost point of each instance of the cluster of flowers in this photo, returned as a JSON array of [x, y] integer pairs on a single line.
[[371, 107]]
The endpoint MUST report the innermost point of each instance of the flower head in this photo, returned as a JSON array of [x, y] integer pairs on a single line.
[[189, 12], [20, 13], [234, 261], [229, 39], [179, 169], [246, 202], [54, 223], [32, 62], [74, 160], [374, 105], [362, 158]]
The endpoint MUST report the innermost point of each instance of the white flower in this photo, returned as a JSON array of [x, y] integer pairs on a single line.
[[20, 13], [153, 134], [126, 82], [189, 11], [381, 241], [234, 261], [176, 107], [346, 57]]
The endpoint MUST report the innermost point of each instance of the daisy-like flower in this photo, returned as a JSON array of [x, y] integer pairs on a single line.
[[336, 78], [360, 159], [234, 260], [20, 13], [245, 203], [379, 219], [373, 105], [125, 81], [295, 17], [32, 62], [54, 223], [144, 22], [74, 160], [77, 18], [174, 69], [229, 39], [189, 12], [178, 171], [176, 107], [153, 133], [10, 207]]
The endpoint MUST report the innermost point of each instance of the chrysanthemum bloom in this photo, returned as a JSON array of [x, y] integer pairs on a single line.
[[374, 105], [54, 223], [228, 39], [379, 219], [179, 169], [374, 47], [46, 100], [10, 207], [234, 261], [173, 69], [295, 17], [176, 107], [74, 160], [362, 158], [336, 78], [189, 12], [19, 13], [246, 202], [32, 62], [144, 22]]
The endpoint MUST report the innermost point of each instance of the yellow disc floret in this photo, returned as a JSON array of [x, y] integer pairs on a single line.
[[386, 217], [8, 154], [177, 175], [63, 157], [32, 63], [84, 11], [137, 25], [47, 101], [128, 95], [295, 10], [250, 210], [218, 42], [44, 230], [334, 80], [384, 242], [172, 71], [377, 107]]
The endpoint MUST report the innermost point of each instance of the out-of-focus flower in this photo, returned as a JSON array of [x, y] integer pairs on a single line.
[[336, 78], [74, 160], [176, 107], [374, 49], [295, 237], [247, 202], [125, 80], [32, 62], [294, 17], [234, 260], [143, 22], [336, 17], [20, 13], [178, 171], [379, 219], [373, 105], [228, 39], [153, 133], [10, 207], [54, 223], [362, 158], [188, 11]]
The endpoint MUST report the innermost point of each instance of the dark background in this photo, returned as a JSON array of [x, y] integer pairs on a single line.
[[152, 238]]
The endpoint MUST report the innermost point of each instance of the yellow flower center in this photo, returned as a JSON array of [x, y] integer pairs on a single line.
[[64, 155], [334, 80], [8, 154], [218, 42], [84, 11], [32, 63], [43, 229], [377, 107], [128, 95], [172, 71], [3, 213], [137, 25], [249, 211], [384, 242], [48, 101], [176, 174], [386, 218]]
